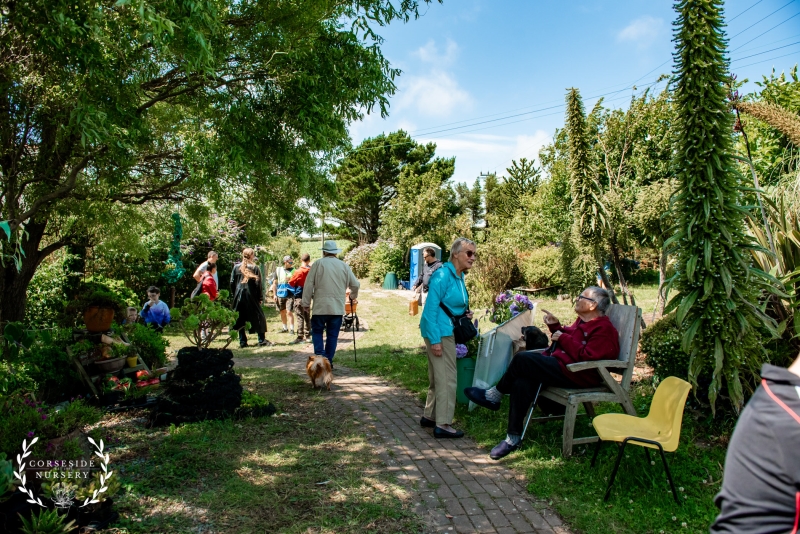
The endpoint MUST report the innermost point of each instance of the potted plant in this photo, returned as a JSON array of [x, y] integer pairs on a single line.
[[99, 308], [203, 386], [465, 367]]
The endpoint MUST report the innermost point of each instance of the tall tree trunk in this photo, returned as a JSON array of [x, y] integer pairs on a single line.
[[623, 284], [604, 277]]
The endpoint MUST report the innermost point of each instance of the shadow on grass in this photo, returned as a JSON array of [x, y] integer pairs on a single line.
[[299, 471], [641, 500]]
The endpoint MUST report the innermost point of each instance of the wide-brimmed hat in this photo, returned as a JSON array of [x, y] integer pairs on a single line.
[[329, 247]]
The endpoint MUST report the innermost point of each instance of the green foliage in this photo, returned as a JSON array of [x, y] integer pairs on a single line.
[[661, 345], [7, 480], [359, 259], [587, 210], [717, 289], [37, 361], [76, 415], [150, 345], [541, 267], [578, 268], [652, 212], [193, 103], [202, 320], [491, 273], [367, 180], [45, 521], [424, 209], [387, 258], [47, 292], [285, 245], [470, 201]]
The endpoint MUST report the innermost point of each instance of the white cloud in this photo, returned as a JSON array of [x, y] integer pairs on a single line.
[[436, 94], [642, 31], [476, 153], [430, 53]]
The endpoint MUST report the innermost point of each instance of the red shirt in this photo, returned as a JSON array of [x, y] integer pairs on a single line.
[[584, 342], [209, 286]]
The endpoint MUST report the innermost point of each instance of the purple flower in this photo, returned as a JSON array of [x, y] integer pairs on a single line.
[[31, 433], [44, 417], [461, 350]]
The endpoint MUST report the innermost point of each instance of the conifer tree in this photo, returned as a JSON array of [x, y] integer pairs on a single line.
[[717, 287]]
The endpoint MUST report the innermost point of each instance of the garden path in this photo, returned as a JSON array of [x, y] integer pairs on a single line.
[[455, 486]]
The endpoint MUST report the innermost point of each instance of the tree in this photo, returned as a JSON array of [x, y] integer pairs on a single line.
[[524, 178], [652, 214], [366, 181], [424, 209], [717, 287], [105, 104], [470, 201]]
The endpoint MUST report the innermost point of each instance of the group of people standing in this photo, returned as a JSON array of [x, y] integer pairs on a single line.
[[326, 282]]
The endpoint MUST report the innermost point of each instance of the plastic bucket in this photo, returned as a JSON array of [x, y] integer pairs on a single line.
[[465, 373]]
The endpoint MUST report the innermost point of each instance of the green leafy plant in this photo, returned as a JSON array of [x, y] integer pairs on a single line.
[[202, 320], [76, 415], [46, 522], [358, 259], [149, 344], [717, 299], [541, 267], [661, 345], [121, 350], [387, 258], [7, 480], [83, 346]]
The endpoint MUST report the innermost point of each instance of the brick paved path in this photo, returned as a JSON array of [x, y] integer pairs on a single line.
[[456, 486]]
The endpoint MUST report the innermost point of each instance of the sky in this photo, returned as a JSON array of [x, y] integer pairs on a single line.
[[486, 79]]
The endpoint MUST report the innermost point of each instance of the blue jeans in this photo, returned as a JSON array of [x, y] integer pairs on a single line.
[[331, 324]]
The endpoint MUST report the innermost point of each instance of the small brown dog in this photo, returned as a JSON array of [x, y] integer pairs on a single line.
[[319, 371]]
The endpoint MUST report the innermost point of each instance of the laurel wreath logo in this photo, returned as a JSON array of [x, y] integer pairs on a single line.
[[19, 474]]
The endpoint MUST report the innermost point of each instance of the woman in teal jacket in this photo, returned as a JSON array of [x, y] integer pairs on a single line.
[[446, 287]]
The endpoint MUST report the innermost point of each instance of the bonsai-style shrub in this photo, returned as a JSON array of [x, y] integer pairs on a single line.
[[203, 386], [202, 320]]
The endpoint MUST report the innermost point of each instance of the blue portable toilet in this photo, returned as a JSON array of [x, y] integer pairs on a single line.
[[415, 258]]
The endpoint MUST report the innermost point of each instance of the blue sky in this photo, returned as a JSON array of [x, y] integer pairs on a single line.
[[470, 61]]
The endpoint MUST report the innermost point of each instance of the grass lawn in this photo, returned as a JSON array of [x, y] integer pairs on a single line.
[[314, 248], [301, 470], [640, 501]]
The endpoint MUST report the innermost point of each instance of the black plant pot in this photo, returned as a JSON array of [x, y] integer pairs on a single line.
[[11, 509]]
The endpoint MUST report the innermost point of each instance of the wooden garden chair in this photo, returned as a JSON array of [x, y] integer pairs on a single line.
[[627, 320]]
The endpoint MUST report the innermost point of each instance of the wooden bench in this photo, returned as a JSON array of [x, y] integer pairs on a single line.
[[627, 320]]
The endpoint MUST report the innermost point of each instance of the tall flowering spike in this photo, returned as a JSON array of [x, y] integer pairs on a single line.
[[716, 287], [586, 208]]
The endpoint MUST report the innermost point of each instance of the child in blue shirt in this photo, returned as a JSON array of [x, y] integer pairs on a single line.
[[155, 312]]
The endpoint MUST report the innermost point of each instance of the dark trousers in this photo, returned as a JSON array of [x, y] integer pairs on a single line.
[[243, 337], [302, 321], [331, 324], [528, 369]]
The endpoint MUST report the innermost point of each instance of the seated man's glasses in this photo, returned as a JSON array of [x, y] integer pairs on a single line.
[[579, 297]]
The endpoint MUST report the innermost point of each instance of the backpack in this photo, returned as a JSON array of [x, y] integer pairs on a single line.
[[284, 289]]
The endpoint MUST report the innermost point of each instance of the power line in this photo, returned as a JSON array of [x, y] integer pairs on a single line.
[[765, 52], [765, 60], [770, 43], [769, 30], [765, 18], [745, 11]]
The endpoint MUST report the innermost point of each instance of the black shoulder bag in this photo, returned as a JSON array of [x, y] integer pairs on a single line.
[[463, 329]]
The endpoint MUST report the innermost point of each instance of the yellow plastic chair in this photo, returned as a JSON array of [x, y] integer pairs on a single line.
[[661, 429]]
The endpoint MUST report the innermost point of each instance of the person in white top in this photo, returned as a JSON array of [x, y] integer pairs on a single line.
[[203, 267]]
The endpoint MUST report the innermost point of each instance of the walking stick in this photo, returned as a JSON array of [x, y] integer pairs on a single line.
[[354, 325]]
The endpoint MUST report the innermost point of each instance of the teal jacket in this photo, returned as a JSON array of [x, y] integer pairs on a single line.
[[448, 288]]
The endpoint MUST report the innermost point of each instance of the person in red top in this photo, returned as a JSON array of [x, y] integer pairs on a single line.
[[209, 286], [302, 317], [591, 337]]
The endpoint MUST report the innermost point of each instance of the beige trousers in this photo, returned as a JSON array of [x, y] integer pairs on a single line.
[[440, 404]]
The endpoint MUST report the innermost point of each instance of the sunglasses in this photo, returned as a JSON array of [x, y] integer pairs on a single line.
[[471, 253], [579, 297]]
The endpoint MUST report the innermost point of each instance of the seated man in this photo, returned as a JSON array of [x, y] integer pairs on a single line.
[[591, 337]]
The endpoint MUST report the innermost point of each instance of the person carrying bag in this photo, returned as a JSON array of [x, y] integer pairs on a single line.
[[446, 320]]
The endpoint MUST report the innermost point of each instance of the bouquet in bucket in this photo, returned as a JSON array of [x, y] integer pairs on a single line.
[[508, 305], [470, 349]]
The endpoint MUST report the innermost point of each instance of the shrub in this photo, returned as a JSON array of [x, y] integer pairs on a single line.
[[358, 259], [387, 258], [661, 345], [491, 273], [150, 345], [76, 415], [541, 267], [47, 292]]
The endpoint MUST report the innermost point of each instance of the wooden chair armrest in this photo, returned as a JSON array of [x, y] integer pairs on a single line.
[[597, 364]]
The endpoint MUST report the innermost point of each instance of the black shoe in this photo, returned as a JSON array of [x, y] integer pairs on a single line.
[[502, 450], [478, 396], [243, 345], [427, 423], [439, 433]]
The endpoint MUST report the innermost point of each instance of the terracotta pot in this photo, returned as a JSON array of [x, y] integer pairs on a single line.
[[98, 319]]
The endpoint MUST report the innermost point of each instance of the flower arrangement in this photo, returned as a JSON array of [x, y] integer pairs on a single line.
[[508, 305], [470, 349]]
